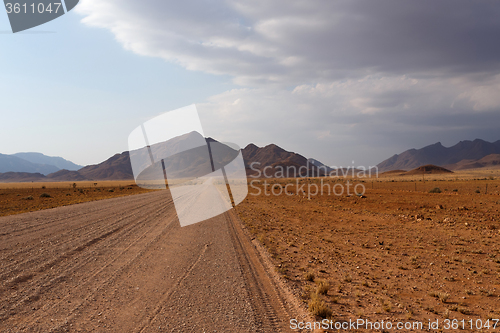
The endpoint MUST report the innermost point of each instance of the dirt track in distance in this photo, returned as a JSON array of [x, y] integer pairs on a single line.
[[125, 265]]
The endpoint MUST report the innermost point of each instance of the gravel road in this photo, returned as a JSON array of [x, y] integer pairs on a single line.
[[126, 265]]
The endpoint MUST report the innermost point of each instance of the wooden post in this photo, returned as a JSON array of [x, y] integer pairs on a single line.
[[486, 189]]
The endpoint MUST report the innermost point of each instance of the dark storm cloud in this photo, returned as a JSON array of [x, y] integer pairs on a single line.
[[301, 41], [428, 37]]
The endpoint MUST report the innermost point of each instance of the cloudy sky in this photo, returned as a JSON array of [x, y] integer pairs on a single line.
[[334, 80]]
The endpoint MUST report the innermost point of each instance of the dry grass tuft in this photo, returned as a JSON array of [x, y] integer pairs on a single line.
[[323, 287], [318, 308], [443, 297]]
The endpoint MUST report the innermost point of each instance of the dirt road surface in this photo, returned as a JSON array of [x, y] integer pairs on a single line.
[[126, 265]]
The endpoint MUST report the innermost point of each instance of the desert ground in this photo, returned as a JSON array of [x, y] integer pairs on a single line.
[[402, 251], [396, 253], [17, 198]]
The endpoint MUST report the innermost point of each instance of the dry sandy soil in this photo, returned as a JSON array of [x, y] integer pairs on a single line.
[[394, 254], [17, 198], [126, 265]]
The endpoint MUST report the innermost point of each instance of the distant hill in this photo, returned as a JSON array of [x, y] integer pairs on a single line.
[[490, 161], [17, 177], [21, 177], [66, 176], [40, 158], [394, 172], [9, 163], [276, 159], [437, 154], [428, 169], [117, 167]]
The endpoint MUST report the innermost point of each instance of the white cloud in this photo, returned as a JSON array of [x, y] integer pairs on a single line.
[[484, 96]]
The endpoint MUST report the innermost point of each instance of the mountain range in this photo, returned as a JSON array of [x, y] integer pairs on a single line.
[[461, 156], [58, 162], [34, 163], [270, 160]]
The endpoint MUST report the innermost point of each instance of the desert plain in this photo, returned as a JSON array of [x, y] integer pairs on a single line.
[[408, 249], [400, 252]]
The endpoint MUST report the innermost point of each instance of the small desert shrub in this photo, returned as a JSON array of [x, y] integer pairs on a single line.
[[28, 198], [386, 305], [478, 191], [464, 311], [306, 294], [443, 297], [43, 187], [323, 287], [435, 190], [318, 308], [111, 190], [68, 194], [486, 292], [309, 276], [45, 195]]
